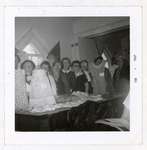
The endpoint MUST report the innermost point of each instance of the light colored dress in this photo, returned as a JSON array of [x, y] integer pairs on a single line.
[[42, 89], [21, 99], [98, 78]]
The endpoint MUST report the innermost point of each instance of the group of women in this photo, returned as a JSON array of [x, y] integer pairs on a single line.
[[94, 78]]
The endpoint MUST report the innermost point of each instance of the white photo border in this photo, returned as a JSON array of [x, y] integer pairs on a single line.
[[134, 136], [1, 76]]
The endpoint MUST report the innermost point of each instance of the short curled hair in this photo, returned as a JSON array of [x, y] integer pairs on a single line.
[[45, 63], [84, 61], [22, 65], [56, 62], [96, 59], [76, 62]]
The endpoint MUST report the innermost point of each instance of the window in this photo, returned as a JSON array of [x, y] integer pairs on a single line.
[[33, 54], [36, 59]]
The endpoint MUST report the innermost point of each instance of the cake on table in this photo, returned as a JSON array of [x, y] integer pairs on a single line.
[[41, 94]]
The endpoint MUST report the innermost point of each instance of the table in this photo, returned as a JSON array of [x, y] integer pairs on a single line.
[[70, 119]]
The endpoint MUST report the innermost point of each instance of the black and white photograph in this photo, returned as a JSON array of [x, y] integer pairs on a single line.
[[72, 74]]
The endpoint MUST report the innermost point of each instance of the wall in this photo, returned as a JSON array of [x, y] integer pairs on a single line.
[[49, 31], [92, 27], [88, 49]]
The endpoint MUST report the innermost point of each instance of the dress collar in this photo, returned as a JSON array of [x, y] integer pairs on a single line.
[[79, 73], [66, 71]]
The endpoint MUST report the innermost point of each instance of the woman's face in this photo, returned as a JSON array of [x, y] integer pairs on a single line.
[[66, 64], [84, 66], [28, 67], [76, 67], [45, 67], [57, 66]]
